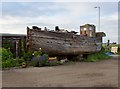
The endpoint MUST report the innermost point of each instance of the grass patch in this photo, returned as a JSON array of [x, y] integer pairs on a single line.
[[97, 56]]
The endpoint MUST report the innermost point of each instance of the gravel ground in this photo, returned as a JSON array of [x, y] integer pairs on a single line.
[[80, 74]]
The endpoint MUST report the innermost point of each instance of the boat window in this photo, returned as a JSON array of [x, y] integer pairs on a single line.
[[85, 29], [70, 43]]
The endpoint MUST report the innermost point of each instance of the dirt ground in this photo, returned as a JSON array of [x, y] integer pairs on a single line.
[[81, 74]]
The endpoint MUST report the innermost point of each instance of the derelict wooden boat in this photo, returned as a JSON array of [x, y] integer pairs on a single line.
[[63, 43]]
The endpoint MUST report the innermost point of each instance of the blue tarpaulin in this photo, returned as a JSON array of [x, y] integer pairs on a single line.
[[109, 53]]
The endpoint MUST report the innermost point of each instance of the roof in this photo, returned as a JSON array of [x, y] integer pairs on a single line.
[[87, 25], [8, 34], [102, 34]]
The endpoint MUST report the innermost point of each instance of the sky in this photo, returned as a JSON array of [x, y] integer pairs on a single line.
[[16, 16]]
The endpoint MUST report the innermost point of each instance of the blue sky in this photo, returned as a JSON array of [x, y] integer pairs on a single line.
[[16, 16]]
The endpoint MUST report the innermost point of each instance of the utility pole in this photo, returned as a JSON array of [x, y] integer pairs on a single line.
[[98, 17]]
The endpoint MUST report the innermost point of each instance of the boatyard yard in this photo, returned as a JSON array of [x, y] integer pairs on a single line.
[[81, 74], [57, 44]]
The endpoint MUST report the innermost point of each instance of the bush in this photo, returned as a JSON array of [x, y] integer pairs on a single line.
[[7, 59], [5, 54], [37, 53], [10, 63], [118, 49], [22, 48], [20, 61], [27, 56]]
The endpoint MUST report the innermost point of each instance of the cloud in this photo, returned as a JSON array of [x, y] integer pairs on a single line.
[[29, 20], [109, 24], [60, 1], [110, 21], [66, 15]]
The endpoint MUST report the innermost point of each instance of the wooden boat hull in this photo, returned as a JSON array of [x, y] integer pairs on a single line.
[[59, 43]]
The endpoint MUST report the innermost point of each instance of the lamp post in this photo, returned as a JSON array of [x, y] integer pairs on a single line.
[[98, 18]]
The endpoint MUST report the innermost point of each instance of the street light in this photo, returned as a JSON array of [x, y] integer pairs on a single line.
[[98, 18]]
